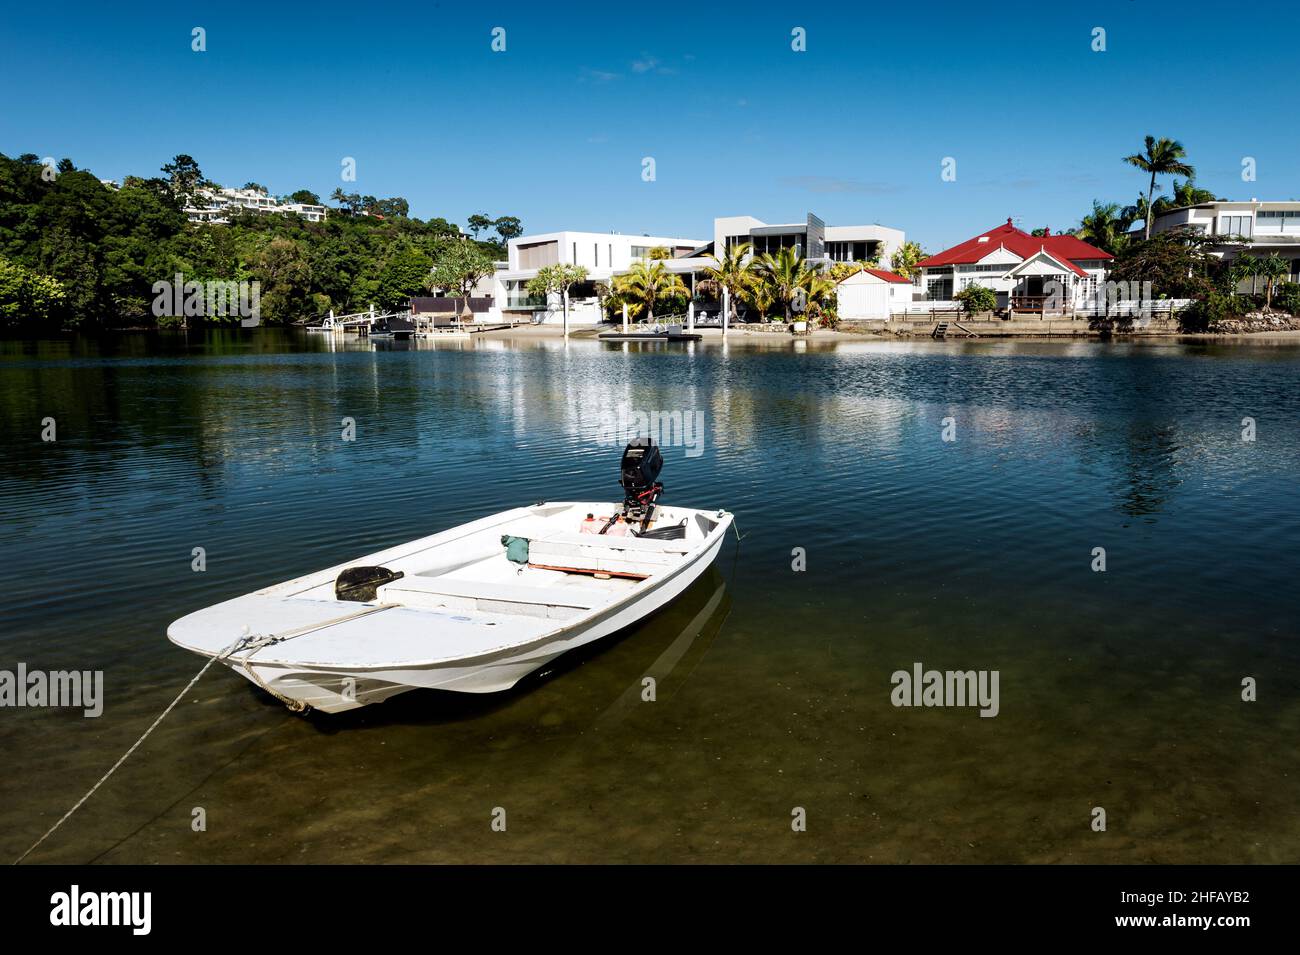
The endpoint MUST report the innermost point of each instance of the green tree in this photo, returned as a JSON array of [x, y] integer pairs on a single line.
[[731, 270], [478, 222], [1137, 212], [305, 196], [508, 227], [1273, 268], [1239, 269], [646, 284], [839, 271], [184, 174], [27, 297], [405, 273], [1162, 157], [285, 275], [459, 267], [1177, 263], [903, 261], [788, 276], [559, 279], [1106, 227], [393, 208], [977, 298], [1186, 193]]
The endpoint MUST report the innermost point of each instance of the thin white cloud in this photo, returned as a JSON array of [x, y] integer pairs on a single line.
[[833, 184], [649, 63], [598, 76]]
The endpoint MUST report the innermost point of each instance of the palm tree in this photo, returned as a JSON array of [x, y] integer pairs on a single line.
[[760, 295], [1138, 210], [1186, 193], [1106, 227], [823, 298], [1163, 157], [787, 275], [1241, 268], [732, 271], [1273, 268], [646, 283]]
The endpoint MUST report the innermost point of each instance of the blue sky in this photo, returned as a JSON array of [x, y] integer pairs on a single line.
[[555, 128]]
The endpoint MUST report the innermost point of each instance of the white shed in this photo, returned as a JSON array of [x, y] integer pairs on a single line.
[[873, 293]]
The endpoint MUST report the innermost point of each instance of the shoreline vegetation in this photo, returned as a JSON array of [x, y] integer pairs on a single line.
[[80, 254]]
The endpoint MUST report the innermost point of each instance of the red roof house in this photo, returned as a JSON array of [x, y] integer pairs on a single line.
[[1024, 269]]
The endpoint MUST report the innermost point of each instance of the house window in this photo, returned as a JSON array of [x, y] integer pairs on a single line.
[[939, 290], [1235, 225], [1287, 220]]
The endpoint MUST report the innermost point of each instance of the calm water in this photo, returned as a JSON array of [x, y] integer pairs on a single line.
[[1118, 689]]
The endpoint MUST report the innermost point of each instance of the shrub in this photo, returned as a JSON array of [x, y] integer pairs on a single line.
[[1287, 297], [1204, 313], [977, 298]]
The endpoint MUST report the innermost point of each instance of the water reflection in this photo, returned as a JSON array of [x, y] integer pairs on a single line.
[[975, 549]]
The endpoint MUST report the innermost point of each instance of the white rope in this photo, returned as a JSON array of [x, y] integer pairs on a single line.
[[103, 779], [252, 643]]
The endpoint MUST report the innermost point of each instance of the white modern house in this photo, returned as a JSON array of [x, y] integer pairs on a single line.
[[607, 254], [209, 205], [1254, 227], [811, 239], [603, 254], [1031, 274]]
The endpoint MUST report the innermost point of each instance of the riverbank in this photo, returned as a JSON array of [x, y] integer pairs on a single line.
[[1000, 331]]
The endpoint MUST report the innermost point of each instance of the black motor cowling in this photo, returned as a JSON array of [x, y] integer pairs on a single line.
[[362, 583], [640, 469]]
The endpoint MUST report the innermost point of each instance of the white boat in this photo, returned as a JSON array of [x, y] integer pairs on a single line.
[[473, 609]]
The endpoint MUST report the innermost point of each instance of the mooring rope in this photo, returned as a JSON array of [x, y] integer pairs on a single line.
[[103, 779], [247, 641]]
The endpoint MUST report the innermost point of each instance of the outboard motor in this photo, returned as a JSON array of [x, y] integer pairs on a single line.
[[640, 469], [638, 473]]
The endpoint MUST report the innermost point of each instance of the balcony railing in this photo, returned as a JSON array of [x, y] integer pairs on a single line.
[[526, 301]]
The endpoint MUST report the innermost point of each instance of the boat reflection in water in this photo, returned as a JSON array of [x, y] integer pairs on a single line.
[[593, 685]]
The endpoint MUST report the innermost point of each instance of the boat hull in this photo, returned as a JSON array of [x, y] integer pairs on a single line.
[[336, 690]]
